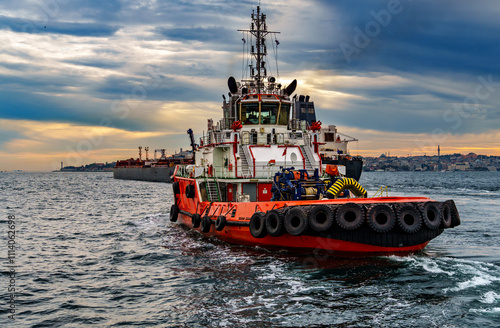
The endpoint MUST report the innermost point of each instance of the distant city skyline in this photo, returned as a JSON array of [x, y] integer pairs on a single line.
[[90, 81]]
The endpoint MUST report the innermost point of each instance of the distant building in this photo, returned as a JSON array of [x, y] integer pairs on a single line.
[[459, 167]]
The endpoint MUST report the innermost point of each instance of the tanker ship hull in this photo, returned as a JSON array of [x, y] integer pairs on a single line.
[[153, 174]]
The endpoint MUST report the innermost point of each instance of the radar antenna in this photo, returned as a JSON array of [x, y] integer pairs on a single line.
[[258, 29]]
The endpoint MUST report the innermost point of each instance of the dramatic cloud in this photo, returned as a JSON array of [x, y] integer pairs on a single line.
[[402, 76]]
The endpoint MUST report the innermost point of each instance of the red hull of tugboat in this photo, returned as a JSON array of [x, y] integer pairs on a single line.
[[361, 241]]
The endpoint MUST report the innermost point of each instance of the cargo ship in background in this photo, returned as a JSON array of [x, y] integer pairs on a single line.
[[269, 175], [155, 170]]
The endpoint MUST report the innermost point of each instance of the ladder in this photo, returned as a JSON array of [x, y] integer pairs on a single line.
[[213, 190], [309, 166], [245, 169]]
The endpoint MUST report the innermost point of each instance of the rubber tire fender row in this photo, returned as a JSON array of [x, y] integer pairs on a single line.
[[431, 214], [220, 223], [296, 222], [275, 223], [258, 225], [455, 217], [190, 191], [408, 218], [196, 220], [321, 217], [174, 213], [381, 218], [206, 224], [350, 216]]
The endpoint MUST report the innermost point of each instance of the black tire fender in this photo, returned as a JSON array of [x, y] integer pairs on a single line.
[[431, 215], [381, 218], [274, 223], [446, 219], [321, 217], [258, 225], [176, 187], [408, 218], [296, 222], [196, 220], [206, 224], [190, 191], [350, 216], [174, 213], [455, 217], [220, 223]]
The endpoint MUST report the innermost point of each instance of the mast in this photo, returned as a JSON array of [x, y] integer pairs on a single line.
[[258, 28]]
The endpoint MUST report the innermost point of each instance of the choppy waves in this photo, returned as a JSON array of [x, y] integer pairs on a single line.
[[101, 252]]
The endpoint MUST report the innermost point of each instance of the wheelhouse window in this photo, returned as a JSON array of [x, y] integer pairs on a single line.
[[269, 112], [284, 116], [249, 113]]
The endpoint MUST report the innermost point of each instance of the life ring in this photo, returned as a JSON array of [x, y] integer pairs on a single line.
[[206, 223], [321, 217], [349, 216], [274, 223], [220, 223], [176, 187], [408, 218], [174, 212], [381, 218], [258, 225], [296, 222], [455, 217], [190, 191], [445, 215], [431, 214], [196, 220]]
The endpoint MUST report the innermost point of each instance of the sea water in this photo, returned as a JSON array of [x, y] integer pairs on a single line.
[[91, 251]]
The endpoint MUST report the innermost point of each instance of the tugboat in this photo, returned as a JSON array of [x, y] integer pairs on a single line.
[[269, 175]]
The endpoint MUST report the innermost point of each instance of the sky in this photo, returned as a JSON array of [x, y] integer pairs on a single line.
[[86, 81]]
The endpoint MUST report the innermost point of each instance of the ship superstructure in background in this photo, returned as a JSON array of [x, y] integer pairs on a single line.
[[158, 169], [269, 174]]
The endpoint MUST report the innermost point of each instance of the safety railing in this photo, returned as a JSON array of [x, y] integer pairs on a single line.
[[380, 192]]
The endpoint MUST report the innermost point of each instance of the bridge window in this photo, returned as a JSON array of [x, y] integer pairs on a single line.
[[284, 116], [249, 113], [269, 112]]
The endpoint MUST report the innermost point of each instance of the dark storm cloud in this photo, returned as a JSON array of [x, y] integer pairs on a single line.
[[19, 105], [22, 25], [106, 64], [415, 36], [208, 34], [162, 88]]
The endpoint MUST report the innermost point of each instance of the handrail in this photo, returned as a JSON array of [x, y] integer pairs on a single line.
[[381, 190]]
